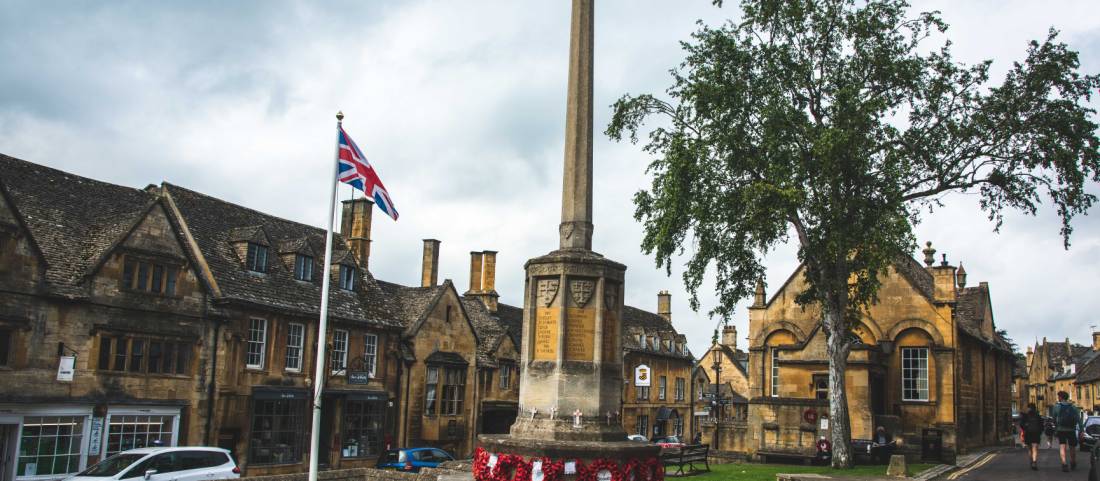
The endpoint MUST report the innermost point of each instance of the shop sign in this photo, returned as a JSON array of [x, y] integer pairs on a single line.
[[95, 437], [358, 377], [66, 368], [642, 376]]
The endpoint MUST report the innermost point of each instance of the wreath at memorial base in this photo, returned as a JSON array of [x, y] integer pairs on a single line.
[[512, 467]]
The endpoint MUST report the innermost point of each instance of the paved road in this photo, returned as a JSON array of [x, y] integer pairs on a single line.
[[1013, 465]]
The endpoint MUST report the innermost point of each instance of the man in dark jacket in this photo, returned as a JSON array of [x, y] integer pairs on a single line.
[[1067, 418]]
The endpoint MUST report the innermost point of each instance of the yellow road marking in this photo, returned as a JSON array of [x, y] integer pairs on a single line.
[[987, 458]]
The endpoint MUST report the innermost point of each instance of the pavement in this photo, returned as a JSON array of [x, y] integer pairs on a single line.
[[1013, 464]]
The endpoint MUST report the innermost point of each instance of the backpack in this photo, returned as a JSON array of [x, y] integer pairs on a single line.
[[1067, 416], [1033, 424]]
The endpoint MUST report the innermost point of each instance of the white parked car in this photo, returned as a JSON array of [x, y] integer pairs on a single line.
[[164, 464]]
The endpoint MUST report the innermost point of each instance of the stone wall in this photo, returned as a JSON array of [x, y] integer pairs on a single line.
[[360, 474]]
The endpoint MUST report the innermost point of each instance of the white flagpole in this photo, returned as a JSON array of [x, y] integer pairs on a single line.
[[319, 372]]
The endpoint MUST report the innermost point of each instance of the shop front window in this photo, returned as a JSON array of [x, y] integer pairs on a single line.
[[138, 431], [277, 427], [364, 422], [50, 445]]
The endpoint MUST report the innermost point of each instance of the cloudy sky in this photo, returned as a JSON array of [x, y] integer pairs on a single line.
[[460, 106]]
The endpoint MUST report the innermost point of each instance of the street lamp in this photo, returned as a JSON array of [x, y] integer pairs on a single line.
[[716, 401]]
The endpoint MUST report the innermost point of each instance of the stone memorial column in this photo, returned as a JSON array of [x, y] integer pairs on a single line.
[[571, 382]]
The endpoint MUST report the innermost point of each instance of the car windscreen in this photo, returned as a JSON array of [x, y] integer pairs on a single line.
[[112, 465]]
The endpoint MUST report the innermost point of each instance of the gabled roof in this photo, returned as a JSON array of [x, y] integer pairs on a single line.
[[215, 225], [72, 220], [971, 306], [414, 304], [1090, 371], [490, 331], [637, 321]]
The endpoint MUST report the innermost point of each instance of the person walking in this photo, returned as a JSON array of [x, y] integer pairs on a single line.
[[1048, 429], [1031, 433], [1067, 418]]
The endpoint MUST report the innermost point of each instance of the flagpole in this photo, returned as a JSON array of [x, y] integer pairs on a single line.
[[319, 372]]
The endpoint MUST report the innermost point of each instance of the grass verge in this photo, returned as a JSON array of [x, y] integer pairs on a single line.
[[767, 472]]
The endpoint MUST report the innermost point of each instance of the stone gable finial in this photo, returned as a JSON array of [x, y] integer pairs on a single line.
[[929, 254]]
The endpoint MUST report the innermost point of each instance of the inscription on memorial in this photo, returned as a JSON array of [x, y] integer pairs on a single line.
[[610, 327], [546, 334], [580, 334]]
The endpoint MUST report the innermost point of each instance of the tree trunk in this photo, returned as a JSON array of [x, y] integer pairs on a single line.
[[838, 348]]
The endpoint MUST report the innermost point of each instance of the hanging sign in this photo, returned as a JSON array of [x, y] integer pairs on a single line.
[[642, 376], [66, 368]]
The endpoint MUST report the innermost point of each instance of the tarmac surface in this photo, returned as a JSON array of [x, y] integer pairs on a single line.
[[1014, 465]]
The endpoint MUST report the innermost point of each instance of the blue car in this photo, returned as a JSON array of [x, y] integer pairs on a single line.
[[412, 459]]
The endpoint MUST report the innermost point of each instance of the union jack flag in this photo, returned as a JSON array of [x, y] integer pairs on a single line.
[[355, 171]]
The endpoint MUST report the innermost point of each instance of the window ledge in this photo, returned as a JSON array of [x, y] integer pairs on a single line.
[[140, 374]]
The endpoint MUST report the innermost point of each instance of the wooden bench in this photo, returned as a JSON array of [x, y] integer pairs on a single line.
[[688, 455]]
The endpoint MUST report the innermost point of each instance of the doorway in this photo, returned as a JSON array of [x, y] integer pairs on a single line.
[[7, 451], [878, 394]]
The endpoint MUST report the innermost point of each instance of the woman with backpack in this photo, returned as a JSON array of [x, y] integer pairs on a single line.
[[1031, 432]]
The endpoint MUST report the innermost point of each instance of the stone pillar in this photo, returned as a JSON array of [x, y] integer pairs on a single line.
[[576, 196]]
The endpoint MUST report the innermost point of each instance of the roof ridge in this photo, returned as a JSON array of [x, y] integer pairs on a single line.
[[250, 209], [59, 172]]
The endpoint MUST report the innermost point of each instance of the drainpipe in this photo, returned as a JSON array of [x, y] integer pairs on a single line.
[[408, 382], [210, 389]]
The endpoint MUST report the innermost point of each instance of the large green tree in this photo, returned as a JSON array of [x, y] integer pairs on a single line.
[[834, 121]]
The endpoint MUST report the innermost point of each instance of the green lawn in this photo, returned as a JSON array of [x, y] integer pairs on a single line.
[[767, 472]]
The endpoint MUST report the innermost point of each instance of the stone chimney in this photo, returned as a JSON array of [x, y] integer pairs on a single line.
[[483, 278], [943, 277], [355, 219], [429, 270], [729, 336], [1031, 353], [664, 305], [960, 276], [488, 270], [1096, 340], [475, 272]]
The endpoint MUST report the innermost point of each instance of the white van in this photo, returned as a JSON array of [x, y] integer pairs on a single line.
[[163, 464]]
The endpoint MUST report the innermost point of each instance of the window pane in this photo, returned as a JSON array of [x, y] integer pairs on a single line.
[[363, 429], [138, 431], [277, 427], [158, 278], [295, 335], [169, 358], [143, 276], [170, 281], [128, 268], [49, 444], [183, 357], [154, 357], [104, 350], [120, 353], [137, 355], [257, 339], [339, 350], [370, 352]]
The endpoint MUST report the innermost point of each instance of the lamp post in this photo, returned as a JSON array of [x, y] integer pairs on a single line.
[[716, 400]]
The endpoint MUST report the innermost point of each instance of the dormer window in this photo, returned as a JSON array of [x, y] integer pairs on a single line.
[[256, 259], [303, 267], [347, 277]]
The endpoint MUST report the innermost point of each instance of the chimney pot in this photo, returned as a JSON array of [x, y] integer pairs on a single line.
[[355, 224], [429, 269]]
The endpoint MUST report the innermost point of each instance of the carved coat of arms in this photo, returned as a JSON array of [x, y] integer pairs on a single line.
[[610, 296], [548, 290], [581, 291]]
